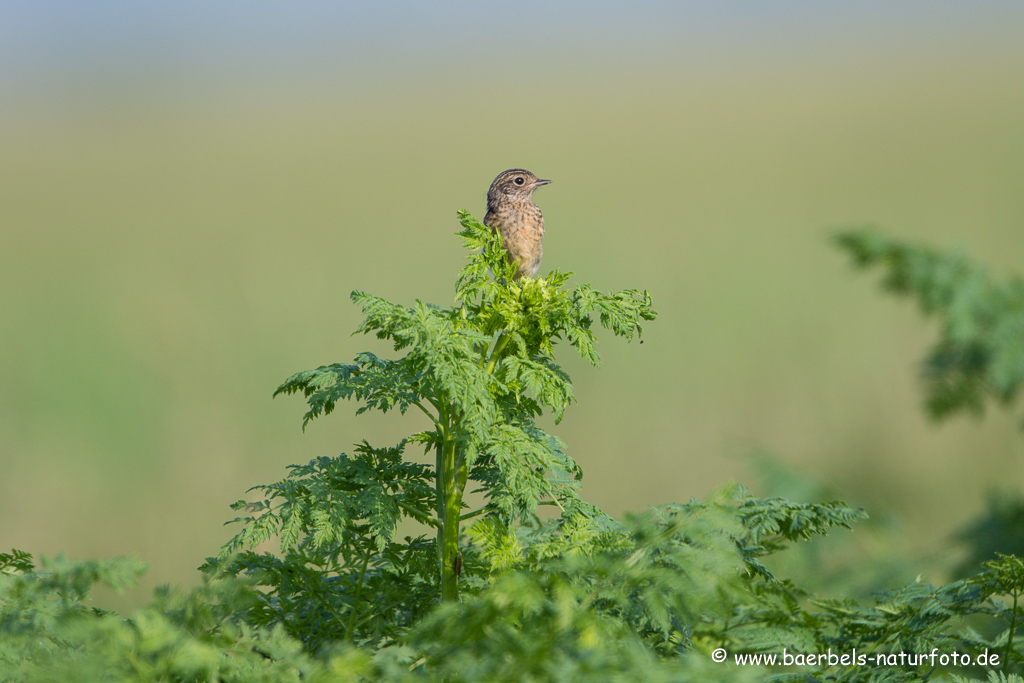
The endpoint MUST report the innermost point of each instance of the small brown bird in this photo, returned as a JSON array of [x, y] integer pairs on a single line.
[[511, 212]]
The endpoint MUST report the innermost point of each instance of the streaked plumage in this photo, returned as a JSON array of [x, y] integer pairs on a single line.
[[511, 211]]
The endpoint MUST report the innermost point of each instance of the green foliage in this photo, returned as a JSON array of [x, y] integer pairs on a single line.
[[981, 348], [916, 619], [16, 561], [575, 596], [482, 370], [47, 633], [996, 530], [618, 614], [342, 575]]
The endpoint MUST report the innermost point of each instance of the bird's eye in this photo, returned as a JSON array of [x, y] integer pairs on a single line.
[[519, 180]]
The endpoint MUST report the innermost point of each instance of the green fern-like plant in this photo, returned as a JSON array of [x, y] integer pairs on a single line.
[[482, 371], [981, 348]]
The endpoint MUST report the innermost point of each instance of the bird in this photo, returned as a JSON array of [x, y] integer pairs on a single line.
[[511, 211]]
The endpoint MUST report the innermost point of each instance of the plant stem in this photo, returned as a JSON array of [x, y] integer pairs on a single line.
[[452, 474], [1009, 636], [449, 504], [359, 590], [499, 346], [418, 515]]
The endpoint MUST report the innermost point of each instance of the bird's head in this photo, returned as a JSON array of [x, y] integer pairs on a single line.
[[515, 184]]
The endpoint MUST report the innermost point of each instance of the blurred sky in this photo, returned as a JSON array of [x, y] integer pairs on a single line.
[[44, 43]]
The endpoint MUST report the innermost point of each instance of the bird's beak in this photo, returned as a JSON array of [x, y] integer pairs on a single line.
[[541, 182]]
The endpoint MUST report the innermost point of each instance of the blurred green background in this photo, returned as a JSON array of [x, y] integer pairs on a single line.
[[189, 193]]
